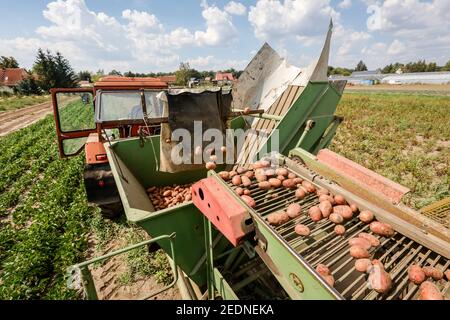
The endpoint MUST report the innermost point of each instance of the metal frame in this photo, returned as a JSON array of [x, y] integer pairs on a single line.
[[63, 135], [86, 276]]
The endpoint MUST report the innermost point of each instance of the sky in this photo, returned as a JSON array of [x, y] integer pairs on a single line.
[[156, 35]]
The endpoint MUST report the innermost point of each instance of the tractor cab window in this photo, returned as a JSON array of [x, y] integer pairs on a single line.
[[126, 105], [75, 111]]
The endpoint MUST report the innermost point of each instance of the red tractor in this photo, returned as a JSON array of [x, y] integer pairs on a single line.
[[112, 109]]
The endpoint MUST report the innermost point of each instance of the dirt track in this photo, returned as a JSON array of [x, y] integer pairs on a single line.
[[11, 121]]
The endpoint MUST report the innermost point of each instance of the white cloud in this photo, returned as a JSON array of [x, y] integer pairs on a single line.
[[137, 40], [419, 29], [396, 47], [271, 19], [345, 4], [235, 8], [219, 27], [142, 21], [213, 63], [201, 62]]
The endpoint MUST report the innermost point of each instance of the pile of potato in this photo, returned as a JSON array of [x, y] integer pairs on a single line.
[[169, 196], [425, 277]]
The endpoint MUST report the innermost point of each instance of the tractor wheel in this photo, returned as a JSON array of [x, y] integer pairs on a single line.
[[111, 211]]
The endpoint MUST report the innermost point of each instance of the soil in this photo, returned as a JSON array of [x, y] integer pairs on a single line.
[[11, 121], [106, 278]]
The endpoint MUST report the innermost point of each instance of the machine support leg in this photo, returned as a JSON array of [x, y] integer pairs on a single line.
[[209, 258], [88, 284]]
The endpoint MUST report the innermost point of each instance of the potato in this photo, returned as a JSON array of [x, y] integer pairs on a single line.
[[363, 265], [249, 174], [260, 177], [294, 210], [433, 272], [344, 211], [213, 158], [325, 197], [366, 216], [232, 173], [275, 182], [374, 242], [322, 191], [354, 208], [281, 172], [241, 170], [273, 219], [264, 163], [308, 186], [339, 199], [359, 252], [167, 193], [249, 201], [247, 192], [329, 279], [284, 217], [225, 175], [359, 242], [289, 184], [246, 181], [315, 214], [223, 149], [281, 178], [300, 194], [336, 218], [326, 208], [416, 274], [291, 176], [302, 230], [237, 181], [339, 229], [382, 229], [261, 164], [298, 181], [429, 291], [239, 191], [264, 185], [322, 269], [210, 166], [379, 279], [269, 172], [246, 110]]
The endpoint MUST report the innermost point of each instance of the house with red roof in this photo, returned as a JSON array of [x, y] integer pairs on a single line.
[[10, 77], [224, 77]]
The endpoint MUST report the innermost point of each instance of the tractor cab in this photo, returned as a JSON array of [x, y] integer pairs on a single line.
[[86, 118], [111, 109]]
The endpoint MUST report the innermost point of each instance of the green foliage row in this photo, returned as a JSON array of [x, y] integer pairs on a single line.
[[45, 215]]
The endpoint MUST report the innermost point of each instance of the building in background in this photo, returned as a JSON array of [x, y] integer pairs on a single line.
[[374, 77], [224, 78], [10, 77], [169, 79], [418, 78]]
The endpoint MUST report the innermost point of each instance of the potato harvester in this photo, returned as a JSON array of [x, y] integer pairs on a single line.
[[220, 248]]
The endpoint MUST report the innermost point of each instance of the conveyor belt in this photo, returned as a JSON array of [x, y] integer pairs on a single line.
[[324, 246]]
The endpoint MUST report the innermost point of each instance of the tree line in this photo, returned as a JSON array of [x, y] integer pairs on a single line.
[[419, 66], [183, 74]]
